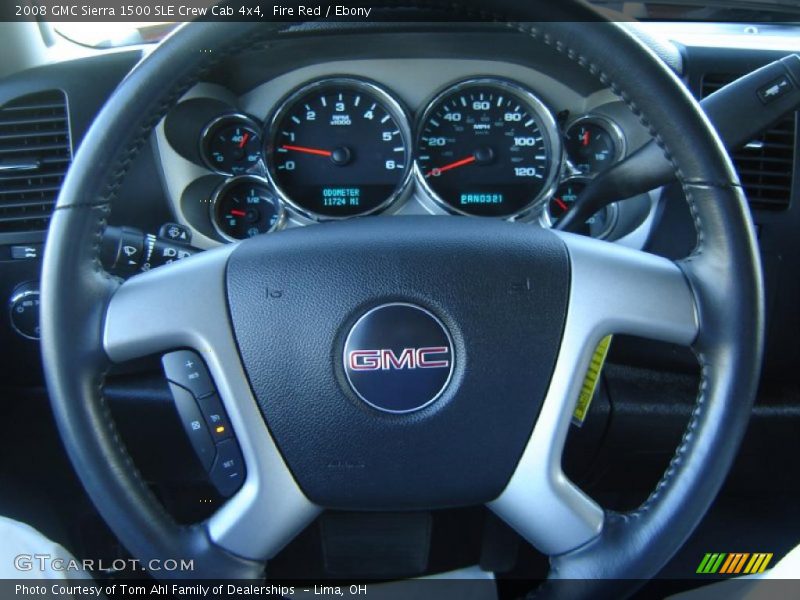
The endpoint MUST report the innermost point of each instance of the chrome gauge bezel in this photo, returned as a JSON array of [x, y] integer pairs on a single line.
[[216, 123], [546, 219], [392, 105], [230, 182], [434, 203], [611, 127]]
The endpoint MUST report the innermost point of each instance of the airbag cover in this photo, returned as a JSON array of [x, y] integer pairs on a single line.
[[498, 289]]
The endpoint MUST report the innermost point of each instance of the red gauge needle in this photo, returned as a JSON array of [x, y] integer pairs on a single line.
[[585, 138], [245, 137], [452, 165], [561, 204], [307, 150], [238, 213]]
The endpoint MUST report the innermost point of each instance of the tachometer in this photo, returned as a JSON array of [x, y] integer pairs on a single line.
[[339, 148], [488, 147]]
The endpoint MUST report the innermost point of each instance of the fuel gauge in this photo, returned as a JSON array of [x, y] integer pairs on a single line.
[[243, 207]]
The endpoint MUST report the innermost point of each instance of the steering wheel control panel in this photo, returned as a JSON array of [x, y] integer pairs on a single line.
[[346, 146], [205, 421]]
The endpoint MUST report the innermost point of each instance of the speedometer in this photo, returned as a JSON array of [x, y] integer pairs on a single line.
[[339, 148], [488, 147]]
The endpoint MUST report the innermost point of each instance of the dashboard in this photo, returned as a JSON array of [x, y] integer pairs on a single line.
[[336, 124], [393, 136]]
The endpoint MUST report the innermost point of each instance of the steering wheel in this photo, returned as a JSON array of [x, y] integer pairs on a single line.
[[511, 314]]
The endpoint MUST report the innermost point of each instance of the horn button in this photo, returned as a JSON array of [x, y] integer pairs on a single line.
[[398, 357], [400, 362]]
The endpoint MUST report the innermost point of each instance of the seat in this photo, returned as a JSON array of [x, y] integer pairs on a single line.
[[27, 554]]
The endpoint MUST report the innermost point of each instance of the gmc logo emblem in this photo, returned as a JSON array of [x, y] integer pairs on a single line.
[[432, 357]]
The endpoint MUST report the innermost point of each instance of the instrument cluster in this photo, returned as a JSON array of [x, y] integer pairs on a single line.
[[343, 147]]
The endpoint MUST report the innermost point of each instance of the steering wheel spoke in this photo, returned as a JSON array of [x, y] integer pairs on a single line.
[[183, 305], [619, 290], [176, 306], [613, 290]]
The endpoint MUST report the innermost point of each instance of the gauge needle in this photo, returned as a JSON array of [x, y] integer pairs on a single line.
[[238, 213], [561, 204], [452, 165], [307, 150], [245, 137], [585, 137]]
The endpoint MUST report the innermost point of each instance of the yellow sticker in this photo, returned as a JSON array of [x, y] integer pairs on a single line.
[[590, 381]]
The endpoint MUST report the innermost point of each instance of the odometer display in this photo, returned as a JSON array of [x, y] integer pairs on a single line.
[[488, 147], [339, 148]]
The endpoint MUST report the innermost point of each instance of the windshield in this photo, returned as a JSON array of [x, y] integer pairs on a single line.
[[111, 35], [114, 34]]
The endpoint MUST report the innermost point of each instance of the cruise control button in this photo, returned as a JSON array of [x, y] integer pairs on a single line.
[[216, 418], [186, 368], [227, 474], [195, 425]]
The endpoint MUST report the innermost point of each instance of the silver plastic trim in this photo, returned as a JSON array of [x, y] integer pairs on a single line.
[[184, 305], [226, 185], [549, 128], [449, 343], [613, 290], [246, 120], [393, 107]]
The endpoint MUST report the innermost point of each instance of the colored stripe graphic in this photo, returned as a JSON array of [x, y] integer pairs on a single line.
[[711, 563], [758, 563], [733, 563]]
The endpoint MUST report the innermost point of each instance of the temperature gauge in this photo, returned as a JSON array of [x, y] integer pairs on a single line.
[[593, 144], [598, 225], [231, 144], [244, 207]]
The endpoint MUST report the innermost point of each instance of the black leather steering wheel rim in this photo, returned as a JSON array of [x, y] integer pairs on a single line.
[[724, 272]]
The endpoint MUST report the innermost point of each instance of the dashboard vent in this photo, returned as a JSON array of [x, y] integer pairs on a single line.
[[766, 164], [35, 152]]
